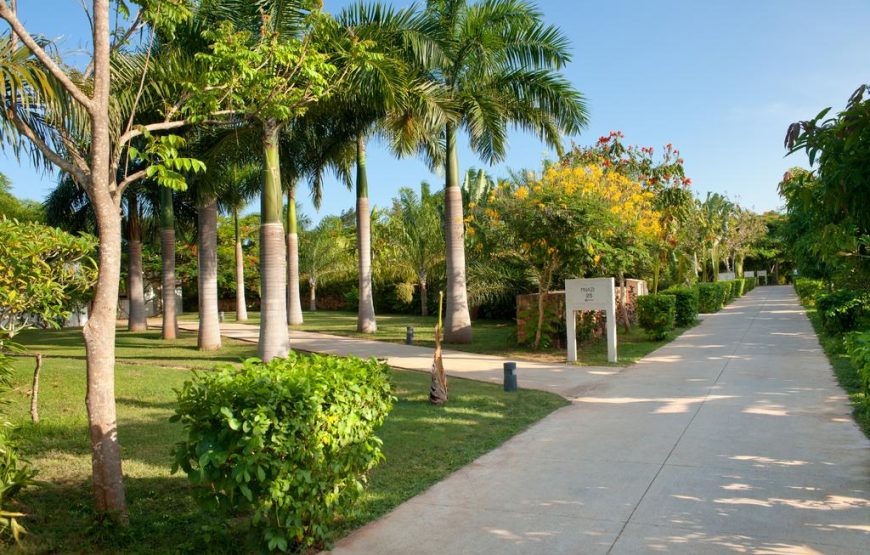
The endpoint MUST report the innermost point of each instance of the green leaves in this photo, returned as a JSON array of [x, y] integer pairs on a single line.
[[165, 165], [44, 273], [286, 443]]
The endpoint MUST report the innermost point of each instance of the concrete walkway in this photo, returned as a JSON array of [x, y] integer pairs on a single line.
[[568, 381], [734, 438]]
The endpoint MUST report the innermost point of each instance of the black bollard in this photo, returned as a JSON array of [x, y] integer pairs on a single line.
[[510, 378], [409, 335]]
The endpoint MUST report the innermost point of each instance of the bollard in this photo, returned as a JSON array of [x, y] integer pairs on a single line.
[[409, 335], [221, 316], [510, 378]]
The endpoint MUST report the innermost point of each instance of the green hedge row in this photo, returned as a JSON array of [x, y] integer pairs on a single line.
[[656, 314], [808, 289], [843, 310]]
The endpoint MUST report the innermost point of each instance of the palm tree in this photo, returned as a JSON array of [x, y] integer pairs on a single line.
[[716, 211], [325, 251], [310, 146], [135, 284], [388, 95], [238, 183], [167, 262], [499, 62], [418, 237]]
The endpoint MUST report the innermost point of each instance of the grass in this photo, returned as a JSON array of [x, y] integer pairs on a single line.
[[491, 337], [423, 444], [847, 374]]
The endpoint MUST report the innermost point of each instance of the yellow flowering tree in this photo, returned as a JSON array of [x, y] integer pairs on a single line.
[[549, 223]]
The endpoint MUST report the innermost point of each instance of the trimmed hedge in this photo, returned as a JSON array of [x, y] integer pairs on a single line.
[[740, 286], [285, 444], [709, 300], [725, 292], [843, 310], [751, 283], [656, 314], [686, 304], [808, 289]]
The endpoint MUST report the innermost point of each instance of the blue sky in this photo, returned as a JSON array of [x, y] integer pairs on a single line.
[[721, 80]]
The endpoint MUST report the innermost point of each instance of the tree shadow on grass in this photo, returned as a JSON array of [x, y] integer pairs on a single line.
[[164, 518]]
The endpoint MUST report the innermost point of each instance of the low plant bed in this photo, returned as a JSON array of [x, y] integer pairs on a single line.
[[422, 443]]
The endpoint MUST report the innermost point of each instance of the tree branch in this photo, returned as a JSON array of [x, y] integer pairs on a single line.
[[135, 176], [42, 55], [46, 150]]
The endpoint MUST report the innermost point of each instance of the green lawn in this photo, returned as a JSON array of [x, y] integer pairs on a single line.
[[493, 337], [847, 374], [422, 443]]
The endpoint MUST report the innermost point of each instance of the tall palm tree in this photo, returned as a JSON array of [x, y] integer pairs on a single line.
[[388, 95], [238, 183], [310, 146], [419, 241], [500, 63], [169, 329]]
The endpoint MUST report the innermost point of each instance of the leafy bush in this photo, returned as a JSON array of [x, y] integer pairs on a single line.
[[657, 314], [15, 473], [686, 304], [284, 444], [843, 310], [750, 284], [808, 289], [858, 349], [709, 300], [724, 294]]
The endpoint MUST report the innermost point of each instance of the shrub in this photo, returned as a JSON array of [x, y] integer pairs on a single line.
[[750, 284], [858, 349], [15, 472], [656, 314], [708, 298], [284, 444], [808, 289], [724, 292], [686, 304], [842, 310]]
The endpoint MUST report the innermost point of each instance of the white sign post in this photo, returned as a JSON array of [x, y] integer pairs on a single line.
[[590, 294]]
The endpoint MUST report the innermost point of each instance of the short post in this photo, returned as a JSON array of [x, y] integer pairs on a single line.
[[510, 377], [409, 335], [221, 316]]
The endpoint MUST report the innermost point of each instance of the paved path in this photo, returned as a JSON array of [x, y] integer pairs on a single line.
[[568, 381], [734, 438]]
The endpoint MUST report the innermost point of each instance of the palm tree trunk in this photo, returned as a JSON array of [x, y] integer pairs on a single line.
[[294, 301], [424, 297], [135, 286], [312, 295], [241, 306], [274, 338], [457, 325], [738, 266], [365, 322], [167, 259], [209, 337]]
